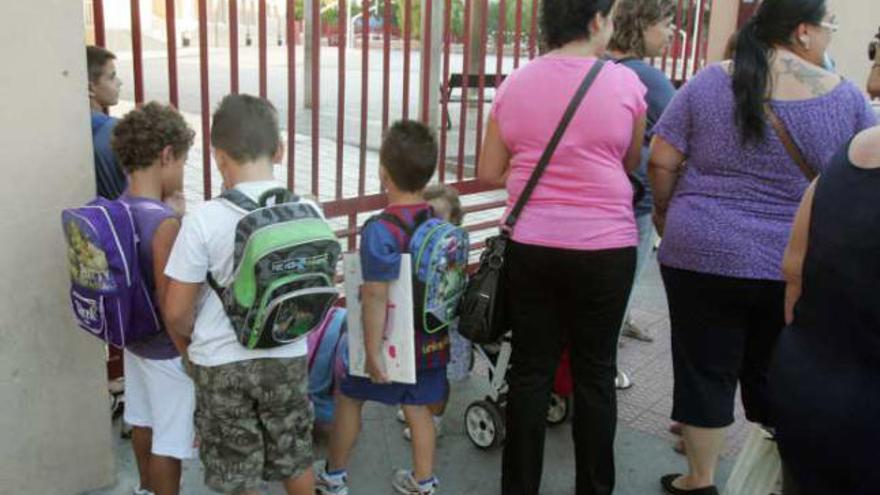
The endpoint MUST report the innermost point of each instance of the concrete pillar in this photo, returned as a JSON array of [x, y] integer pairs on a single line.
[[55, 430], [722, 24], [430, 73]]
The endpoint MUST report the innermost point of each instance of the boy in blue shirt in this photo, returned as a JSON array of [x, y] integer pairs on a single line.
[[408, 157], [104, 93]]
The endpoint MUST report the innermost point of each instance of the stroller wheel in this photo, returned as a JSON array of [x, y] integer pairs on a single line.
[[560, 408], [484, 424]]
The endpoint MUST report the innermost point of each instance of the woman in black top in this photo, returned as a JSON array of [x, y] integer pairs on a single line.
[[825, 380]]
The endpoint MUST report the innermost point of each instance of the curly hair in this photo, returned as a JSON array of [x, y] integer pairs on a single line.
[[140, 137], [632, 18], [564, 21]]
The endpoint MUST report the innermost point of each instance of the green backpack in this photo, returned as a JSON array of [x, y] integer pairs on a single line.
[[283, 270]]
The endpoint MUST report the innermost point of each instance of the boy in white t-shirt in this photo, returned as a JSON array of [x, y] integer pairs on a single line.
[[252, 411]]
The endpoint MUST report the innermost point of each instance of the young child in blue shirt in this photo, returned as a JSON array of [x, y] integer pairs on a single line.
[[408, 158]]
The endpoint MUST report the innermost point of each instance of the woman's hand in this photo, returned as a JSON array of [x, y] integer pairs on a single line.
[[376, 368]]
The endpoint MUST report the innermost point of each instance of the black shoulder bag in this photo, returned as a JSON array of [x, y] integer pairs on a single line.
[[483, 315]]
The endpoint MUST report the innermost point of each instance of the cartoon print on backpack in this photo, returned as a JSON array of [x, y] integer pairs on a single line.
[[87, 262]]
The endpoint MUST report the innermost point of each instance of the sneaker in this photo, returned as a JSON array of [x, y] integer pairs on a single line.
[[330, 484], [438, 429], [400, 415], [404, 483], [621, 381], [632, 331], [141, 491]]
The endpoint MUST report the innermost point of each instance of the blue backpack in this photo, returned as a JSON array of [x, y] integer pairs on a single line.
[[439, 253], [325, 363], [108, 294]]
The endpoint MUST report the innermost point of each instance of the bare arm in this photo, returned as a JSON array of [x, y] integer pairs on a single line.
[[494, 158], [163, 241], [663, 170], [796, 252], [633, 157], [179, 307], [374, 297]]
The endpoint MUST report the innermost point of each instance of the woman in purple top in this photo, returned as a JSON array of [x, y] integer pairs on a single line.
[[725, 195]]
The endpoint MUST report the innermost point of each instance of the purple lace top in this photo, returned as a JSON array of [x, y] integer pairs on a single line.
[[734, 205]]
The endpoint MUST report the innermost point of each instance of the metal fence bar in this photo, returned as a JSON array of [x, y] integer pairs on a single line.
[[481, 84], [233, 46], [365, 86], [206, 98], [407, 52], [137, 52], [261, 29], [502, 26], [171, 48], [689, 23], [444, 89], [316, 94], [676, 42], [98, 15], [386, 61], [342, 39], [427, 42], [292, 36], [517, 32], [533, 32], [465, 77]]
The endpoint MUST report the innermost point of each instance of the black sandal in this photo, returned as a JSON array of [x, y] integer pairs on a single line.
[[669, 488]]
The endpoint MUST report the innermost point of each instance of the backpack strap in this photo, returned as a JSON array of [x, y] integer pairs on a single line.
[[280, 194], [420, 218], [239, 199]]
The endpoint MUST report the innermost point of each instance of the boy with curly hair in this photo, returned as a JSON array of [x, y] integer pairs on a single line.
[[151, 144]]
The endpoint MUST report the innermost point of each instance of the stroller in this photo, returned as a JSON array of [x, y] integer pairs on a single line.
[[484, 419]]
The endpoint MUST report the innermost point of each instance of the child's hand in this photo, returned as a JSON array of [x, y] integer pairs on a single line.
[[376, 369], [176, 202]]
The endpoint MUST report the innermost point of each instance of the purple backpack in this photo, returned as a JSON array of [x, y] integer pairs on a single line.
[[108, 294]]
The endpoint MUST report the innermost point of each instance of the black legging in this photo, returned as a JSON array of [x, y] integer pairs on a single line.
[[560, 296]]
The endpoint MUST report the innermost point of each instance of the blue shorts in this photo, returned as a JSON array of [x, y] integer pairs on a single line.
[[430, 388]]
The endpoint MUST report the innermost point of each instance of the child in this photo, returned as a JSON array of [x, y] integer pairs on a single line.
[[104, 93], [408, 157], [252, 414], [444, 200], [152, 143]]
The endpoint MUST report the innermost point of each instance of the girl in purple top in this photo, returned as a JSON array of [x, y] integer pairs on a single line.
[[725, 196], [151, 144]]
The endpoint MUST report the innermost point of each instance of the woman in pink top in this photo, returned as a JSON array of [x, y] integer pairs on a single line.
[[574, 247]]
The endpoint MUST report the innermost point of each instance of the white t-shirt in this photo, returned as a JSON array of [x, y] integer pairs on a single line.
[[206, 241]]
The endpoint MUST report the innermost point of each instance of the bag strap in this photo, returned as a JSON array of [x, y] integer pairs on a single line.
[[790, 146], [280, 194], [551, 147], [239, 199]]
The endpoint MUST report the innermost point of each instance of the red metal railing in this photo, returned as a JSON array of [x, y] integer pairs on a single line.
[[457, 137]]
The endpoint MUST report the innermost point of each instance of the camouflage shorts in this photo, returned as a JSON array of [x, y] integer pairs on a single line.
[[254, 420]]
